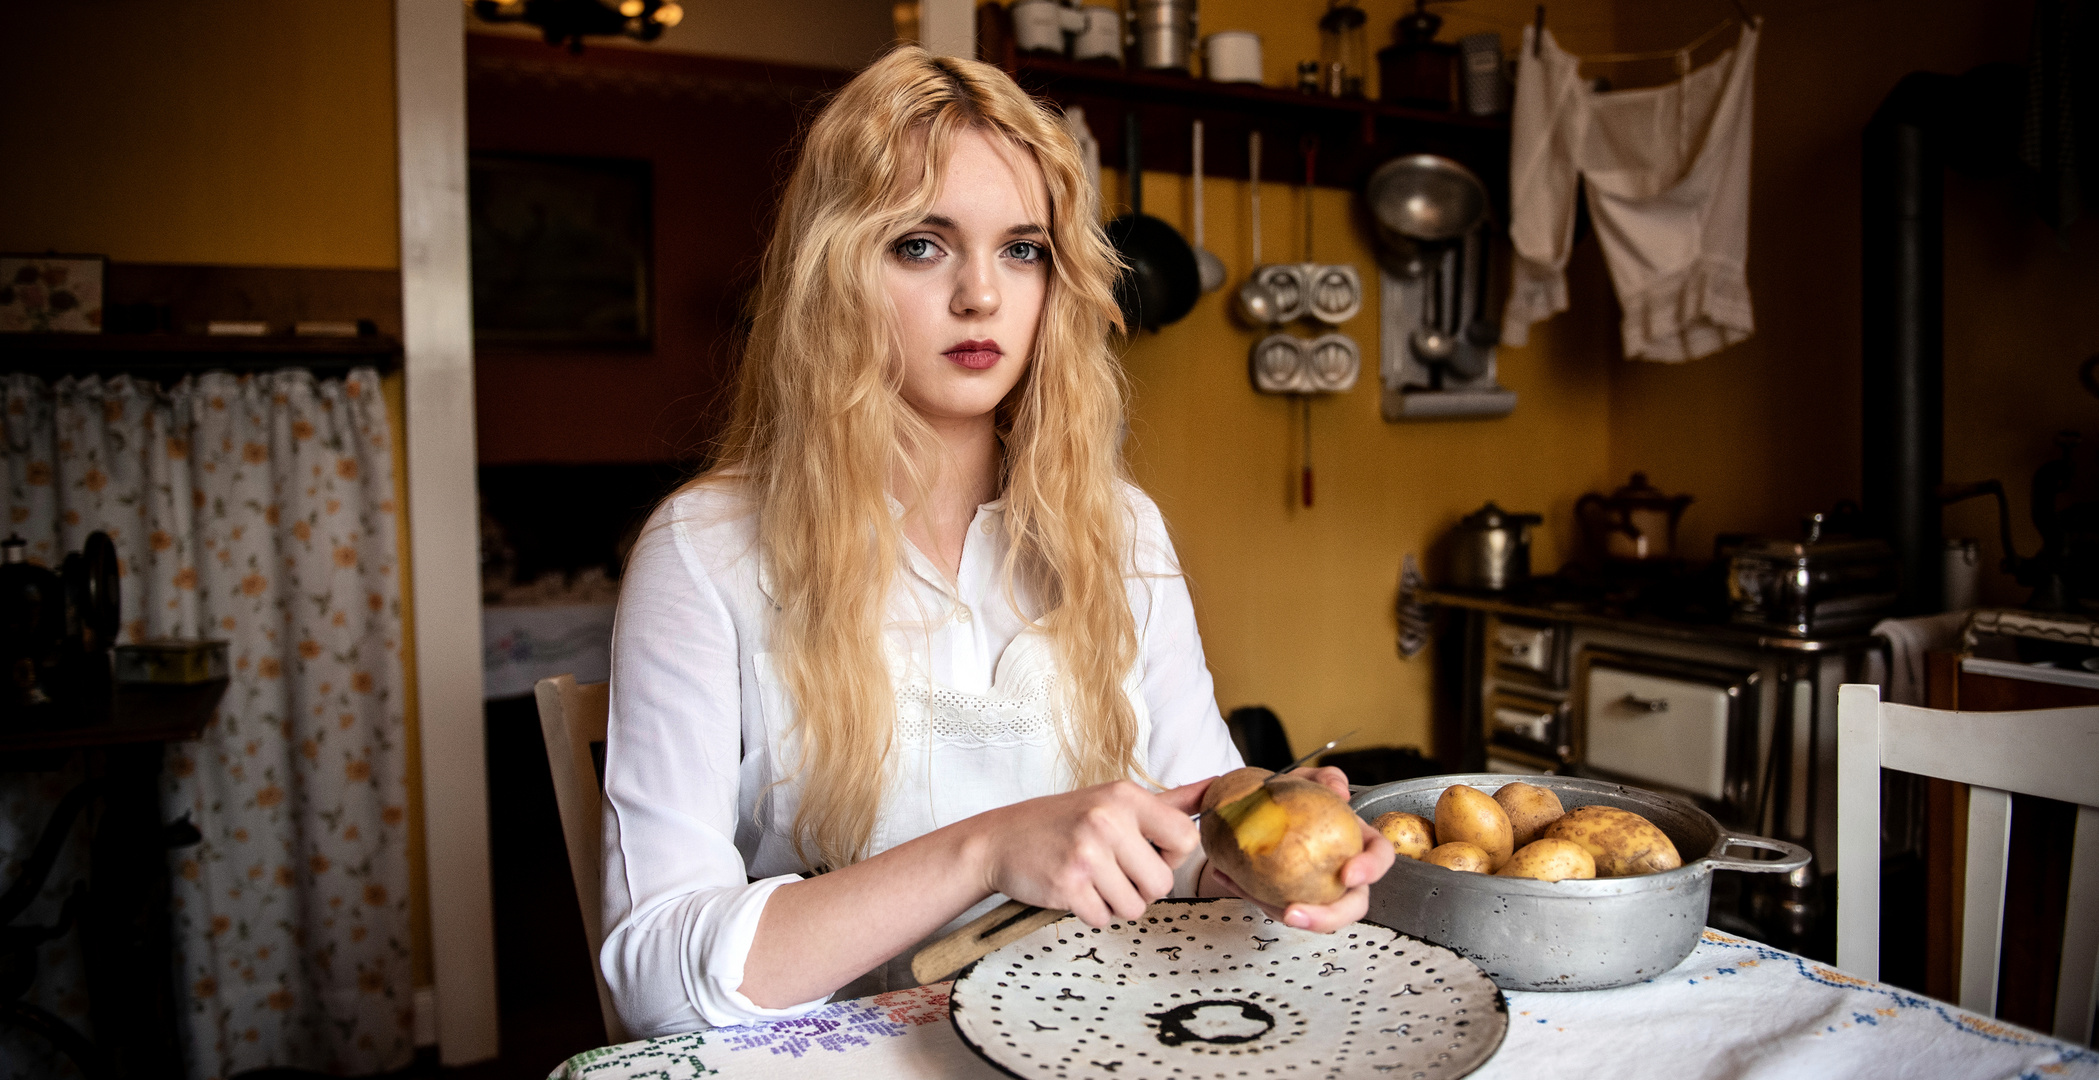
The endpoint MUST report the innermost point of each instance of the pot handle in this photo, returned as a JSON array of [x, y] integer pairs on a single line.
[[1793, 856]]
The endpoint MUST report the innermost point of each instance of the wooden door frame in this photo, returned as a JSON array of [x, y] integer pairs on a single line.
[[443, 518]]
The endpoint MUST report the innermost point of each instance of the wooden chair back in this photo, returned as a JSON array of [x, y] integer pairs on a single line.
[[2053, 753], [572, 718]]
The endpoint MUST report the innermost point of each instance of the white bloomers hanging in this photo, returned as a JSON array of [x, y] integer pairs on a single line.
[[1667, 174]]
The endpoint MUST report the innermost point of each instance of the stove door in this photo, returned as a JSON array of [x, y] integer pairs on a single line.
[[1660, 723]]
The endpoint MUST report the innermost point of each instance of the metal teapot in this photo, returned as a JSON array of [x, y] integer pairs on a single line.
[[1635, 523], [1490, 550]]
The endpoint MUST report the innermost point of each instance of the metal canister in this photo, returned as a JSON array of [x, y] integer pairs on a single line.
[[1963, 574], [1161, 34]]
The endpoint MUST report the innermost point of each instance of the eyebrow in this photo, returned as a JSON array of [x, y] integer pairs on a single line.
[[939, 222]]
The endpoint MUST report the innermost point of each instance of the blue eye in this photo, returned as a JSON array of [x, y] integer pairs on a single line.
[[1026, 251], [916, 249]]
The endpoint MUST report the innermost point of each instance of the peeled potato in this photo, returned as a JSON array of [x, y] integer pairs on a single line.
[[1466, 814], [1460, 856], [1549, 860], [1530, 808], [1288, 845], [1411, 834], [1623, 843]]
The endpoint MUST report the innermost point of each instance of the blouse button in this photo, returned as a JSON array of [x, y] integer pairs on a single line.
[[962, 615], [987, 527]]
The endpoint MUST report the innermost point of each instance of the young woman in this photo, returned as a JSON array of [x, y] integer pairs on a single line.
[[914, 631]]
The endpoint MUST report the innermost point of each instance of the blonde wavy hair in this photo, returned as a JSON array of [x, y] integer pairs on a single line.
[[820, 428]]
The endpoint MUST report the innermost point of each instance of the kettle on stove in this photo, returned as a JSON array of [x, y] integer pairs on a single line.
[[1636, 523], [1490, 550]]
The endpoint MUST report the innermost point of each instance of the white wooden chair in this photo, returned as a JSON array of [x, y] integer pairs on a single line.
[[572, 717], [2052, 753]]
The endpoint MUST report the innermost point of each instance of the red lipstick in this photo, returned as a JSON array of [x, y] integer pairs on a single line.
[[976, 355]]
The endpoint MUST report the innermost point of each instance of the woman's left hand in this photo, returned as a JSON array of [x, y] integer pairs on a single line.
[[1357, 873]]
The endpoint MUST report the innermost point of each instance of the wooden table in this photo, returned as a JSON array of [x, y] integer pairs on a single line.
[[124, 928]]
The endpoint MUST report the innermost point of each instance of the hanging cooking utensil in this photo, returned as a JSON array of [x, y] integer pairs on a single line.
[[1258, 303], [1209, 268], [1309, 148], [1305, 472], [1162, 281], [1426, 198], [1484, 330], [1474, 337], [1432, 340]]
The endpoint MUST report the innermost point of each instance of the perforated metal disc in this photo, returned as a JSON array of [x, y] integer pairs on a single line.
[[1215, 989]]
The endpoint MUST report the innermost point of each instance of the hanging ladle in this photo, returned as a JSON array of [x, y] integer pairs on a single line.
[[1257, 302], [1208, 266]]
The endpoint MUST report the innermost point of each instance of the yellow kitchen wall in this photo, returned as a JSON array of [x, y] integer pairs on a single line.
[[237, 132], [1767, 431], [1296, 605]]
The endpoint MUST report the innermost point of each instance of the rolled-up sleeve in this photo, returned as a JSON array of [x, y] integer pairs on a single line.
[[680, 913]]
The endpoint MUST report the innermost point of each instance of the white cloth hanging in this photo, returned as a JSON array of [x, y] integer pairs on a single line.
[[1667, 172]]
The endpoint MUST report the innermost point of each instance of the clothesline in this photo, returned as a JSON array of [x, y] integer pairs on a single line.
[[1662, 54], [1564, 27]]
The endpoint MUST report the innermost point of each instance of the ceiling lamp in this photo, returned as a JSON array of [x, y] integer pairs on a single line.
[[570, 21]]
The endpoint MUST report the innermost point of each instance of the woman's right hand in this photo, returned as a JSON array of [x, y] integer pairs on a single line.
[[1103, 853]]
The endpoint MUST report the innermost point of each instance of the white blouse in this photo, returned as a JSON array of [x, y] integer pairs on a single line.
[[696, 828]]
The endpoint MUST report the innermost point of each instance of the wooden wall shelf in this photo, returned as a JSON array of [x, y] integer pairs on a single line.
[[1354, 136], [167, 358]]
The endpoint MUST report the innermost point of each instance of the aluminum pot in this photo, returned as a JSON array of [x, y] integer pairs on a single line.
[[1565, 935]]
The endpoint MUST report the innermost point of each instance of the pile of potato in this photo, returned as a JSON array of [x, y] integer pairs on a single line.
[[1523, 831]]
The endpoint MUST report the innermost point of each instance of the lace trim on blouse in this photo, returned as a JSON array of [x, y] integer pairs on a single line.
[[932, 712]]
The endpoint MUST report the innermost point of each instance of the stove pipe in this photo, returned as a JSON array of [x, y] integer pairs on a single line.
[[1903, 323]]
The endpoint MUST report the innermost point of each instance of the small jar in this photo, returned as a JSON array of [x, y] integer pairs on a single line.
[[1344, 54]]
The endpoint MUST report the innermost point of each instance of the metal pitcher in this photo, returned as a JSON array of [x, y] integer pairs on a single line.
[[1491, 549]]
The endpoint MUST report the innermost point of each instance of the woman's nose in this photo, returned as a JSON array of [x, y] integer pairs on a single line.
[[975, 292]]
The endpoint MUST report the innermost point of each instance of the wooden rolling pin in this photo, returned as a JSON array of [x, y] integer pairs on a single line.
[[1005, 923]]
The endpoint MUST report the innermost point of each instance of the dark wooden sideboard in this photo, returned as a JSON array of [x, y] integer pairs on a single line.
[[124, 920]]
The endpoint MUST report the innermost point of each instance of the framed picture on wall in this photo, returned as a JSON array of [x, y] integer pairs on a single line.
[[562, 250], [51, 294]]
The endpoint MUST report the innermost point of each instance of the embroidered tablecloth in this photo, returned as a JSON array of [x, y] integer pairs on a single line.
[[1733, 1008]]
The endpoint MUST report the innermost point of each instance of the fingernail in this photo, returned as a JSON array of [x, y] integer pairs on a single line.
[[1296, 918]]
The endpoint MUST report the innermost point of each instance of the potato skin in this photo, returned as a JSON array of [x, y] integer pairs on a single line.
[[1549, 860], [1304, 864], [1530, 809], [1623, 843], [1466, 814], [1411, 834], [1460, 856], [1232, 786]]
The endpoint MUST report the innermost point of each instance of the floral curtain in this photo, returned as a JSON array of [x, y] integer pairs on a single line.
[[258, 510]]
